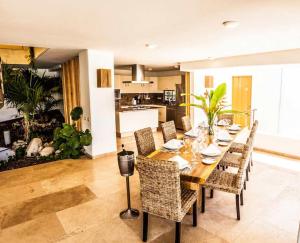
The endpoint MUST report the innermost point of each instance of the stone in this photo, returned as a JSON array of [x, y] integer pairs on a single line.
[[47, 151], [5, 153], [18, 144], [33, 147]]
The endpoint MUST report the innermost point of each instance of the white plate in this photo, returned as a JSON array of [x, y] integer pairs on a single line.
[[211, 154], [173, 144], [191, 133], [225, 139], [208, 161], [222, 143], [234, 128]]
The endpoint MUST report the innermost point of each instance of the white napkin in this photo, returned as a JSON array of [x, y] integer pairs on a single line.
[[222, 122], [173, 144], [192, 133], [234, 127], [182, 163], [211, 150], [223, 135]]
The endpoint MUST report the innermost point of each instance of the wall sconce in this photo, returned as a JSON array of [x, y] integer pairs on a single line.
[[209, 82]]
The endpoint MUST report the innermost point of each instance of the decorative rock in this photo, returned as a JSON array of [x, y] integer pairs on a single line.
[[47, 151], [5, 153], [18, 144], [33, 146]]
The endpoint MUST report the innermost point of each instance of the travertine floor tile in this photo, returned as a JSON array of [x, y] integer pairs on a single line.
[[42, 229]]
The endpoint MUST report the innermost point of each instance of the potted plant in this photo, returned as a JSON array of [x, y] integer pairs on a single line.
[[69, 140], [213, 104]]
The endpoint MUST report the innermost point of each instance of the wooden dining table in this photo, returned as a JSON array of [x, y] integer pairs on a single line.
[[198, 171]]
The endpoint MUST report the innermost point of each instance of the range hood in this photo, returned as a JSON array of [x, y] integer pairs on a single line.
[[138, 75]]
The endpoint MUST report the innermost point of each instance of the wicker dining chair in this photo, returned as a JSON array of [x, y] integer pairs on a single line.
[[228, 117], [239, 147], [162, 194], [144, 141], [186, 123], [229, 182], [168, 131]]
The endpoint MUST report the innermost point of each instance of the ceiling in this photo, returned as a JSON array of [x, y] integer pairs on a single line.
[[184, 30]]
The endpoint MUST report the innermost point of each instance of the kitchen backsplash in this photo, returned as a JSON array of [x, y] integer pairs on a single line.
[[148, 98]]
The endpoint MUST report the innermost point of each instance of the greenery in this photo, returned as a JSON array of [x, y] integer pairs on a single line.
[[213, 104], [30, 93], [69, 140]]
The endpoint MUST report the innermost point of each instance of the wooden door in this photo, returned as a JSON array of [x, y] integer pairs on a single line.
[[241, 98]]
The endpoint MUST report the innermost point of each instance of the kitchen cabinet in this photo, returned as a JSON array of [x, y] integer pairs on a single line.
[[135, 88], [168, 83], [162, 114]]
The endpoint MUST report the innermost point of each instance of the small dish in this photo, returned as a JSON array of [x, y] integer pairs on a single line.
[[208, 161]]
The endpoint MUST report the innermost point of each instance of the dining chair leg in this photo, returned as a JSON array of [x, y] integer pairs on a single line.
[[211, 193], [177, 233], [237, 202], [242, 197], [244, 185], [145, 226], [249, 167], [203, 200], [195, 214], [247, 175], [251, 159]]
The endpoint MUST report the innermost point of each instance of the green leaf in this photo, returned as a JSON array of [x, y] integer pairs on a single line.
[[217, 96], [67, 130], [76, 113], [86, 139]]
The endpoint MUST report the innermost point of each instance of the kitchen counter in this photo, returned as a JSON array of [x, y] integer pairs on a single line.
[[128, 121], [137, 108]]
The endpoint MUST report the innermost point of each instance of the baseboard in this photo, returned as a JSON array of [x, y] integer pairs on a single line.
[[101, 155], [290, 156]]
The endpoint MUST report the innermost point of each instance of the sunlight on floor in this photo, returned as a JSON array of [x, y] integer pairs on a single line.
[[277, 161]]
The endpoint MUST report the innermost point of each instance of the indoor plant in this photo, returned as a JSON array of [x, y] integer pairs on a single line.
[[69, 140], [213, 104], [30, 93]]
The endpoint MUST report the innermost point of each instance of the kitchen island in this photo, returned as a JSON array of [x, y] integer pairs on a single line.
[[130, 119]]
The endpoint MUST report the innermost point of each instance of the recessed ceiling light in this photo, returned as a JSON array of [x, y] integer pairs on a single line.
[[230, 24], [151, 46]]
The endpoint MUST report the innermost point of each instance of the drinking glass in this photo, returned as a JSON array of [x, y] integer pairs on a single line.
[[187, 144]]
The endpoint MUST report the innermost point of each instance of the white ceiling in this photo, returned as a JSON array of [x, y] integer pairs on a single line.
[[184, 30]]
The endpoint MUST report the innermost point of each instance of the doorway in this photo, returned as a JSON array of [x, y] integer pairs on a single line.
[[241, 98]]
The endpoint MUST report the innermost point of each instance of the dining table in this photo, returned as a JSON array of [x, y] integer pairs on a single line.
[[198, 172]]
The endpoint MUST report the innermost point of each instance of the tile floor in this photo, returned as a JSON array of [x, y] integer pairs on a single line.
[[80, 200]]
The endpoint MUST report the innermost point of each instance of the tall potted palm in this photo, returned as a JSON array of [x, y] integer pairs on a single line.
[[213, 104]]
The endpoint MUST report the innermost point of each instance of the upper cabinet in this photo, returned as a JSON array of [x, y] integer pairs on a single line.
[[159, 84], [135, 88], [168, 83]]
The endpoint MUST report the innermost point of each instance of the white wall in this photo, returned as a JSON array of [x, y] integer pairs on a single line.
[[272, 96], [98, 103]]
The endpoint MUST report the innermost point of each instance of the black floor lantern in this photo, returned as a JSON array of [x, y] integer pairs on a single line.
[[126, 166]]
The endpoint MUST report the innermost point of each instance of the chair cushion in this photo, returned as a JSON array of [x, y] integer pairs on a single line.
[[231, 159], [223, 181], [236, 147]]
